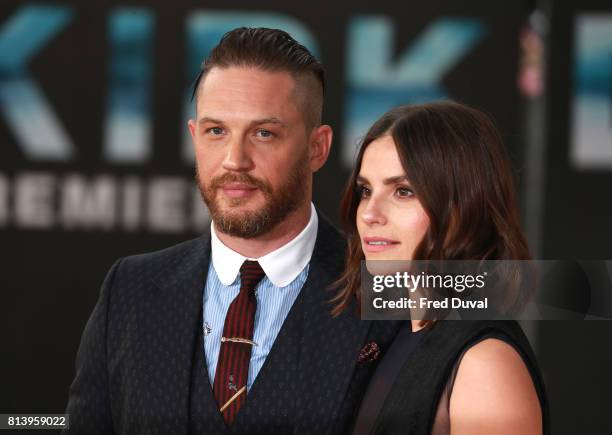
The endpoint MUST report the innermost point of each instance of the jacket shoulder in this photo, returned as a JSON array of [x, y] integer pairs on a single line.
[[150, 264], [331, 244]]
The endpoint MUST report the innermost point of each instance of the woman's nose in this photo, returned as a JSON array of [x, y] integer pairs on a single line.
[[373, 214]]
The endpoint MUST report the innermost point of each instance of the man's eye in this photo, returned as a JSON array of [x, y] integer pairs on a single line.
[[264, 133], [215, 131], [404, 192]]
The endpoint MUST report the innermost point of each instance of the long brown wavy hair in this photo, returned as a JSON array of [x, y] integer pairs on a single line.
[[458, 168]]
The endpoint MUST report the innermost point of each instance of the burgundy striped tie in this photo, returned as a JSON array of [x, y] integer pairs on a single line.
[[233, 363]]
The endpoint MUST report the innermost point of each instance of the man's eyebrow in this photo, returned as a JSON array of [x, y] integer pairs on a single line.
[[206, 119], [270, 120]]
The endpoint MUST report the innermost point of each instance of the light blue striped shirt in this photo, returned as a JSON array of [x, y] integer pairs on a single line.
[[286, 271]]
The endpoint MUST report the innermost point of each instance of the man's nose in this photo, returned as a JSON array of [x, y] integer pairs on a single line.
[[238, 157]]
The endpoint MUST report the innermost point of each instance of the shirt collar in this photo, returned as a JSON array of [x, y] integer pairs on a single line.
[[281, 266]]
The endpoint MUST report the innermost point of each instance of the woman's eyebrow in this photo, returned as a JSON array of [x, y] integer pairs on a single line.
[[390, 180], [396, 179]]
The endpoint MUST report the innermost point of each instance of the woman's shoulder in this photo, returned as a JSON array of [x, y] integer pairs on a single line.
[[493, 389], [424, 386], [453, 338]]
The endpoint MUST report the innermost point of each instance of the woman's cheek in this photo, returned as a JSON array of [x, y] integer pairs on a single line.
[[413, 229]]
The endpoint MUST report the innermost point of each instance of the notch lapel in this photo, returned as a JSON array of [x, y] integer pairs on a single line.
[[330, 347], [301, 385], [168, 326]]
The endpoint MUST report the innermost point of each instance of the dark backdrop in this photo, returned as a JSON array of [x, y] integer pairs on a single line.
[[94, 164]]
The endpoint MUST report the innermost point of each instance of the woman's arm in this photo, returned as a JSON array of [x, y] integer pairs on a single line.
[[493, 393]]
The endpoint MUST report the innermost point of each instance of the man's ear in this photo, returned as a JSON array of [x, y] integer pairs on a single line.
[[192, 129], [320, 146]]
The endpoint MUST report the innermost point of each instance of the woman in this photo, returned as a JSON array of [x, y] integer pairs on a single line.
[[432, 182]]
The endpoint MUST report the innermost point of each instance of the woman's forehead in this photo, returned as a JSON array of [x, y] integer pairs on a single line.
[[380, 160]]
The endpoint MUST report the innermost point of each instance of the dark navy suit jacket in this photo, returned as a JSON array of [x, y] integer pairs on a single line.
[[135, 367]]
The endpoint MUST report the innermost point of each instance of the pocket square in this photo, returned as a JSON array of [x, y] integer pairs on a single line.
[[368, 353]]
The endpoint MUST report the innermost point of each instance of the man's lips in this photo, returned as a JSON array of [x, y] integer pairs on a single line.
[[378, 244], [238, 190]]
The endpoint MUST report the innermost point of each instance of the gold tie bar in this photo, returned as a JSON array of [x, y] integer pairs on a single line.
[[239, 340]]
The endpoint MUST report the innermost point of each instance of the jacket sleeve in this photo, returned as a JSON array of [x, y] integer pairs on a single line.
[[88, 400]]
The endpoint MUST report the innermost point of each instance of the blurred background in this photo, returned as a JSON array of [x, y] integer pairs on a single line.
[[95, 161]]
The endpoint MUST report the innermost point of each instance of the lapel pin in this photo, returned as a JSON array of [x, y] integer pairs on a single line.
[[207, 329], [368, 353]]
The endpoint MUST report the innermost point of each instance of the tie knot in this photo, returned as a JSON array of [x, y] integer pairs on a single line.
[[250, 274]]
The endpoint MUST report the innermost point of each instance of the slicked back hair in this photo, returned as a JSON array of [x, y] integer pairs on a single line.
[[272, 50]]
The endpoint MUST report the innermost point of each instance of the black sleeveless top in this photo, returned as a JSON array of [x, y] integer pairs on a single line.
[[409, 392]]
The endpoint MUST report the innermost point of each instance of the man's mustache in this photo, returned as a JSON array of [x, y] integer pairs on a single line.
[[249, 180]]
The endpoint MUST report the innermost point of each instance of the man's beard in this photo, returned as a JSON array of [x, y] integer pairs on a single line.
[[253, 223]]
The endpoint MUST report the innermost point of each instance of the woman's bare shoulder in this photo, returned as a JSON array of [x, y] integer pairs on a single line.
[[493, 393]]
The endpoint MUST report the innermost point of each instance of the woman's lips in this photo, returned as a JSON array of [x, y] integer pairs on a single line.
[[238, 190], [378, 244]]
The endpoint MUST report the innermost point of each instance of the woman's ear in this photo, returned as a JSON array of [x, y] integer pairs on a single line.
[[319, 146]]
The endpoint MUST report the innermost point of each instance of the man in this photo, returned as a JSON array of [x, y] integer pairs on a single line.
[[232, 332]]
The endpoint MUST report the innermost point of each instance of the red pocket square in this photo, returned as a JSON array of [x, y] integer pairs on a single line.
[[368, 353]]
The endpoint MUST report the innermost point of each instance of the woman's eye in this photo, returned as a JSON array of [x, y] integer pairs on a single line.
[[363, 192], [404, 192]]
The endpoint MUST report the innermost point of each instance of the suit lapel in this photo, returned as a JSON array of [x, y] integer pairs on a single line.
[[329, 351], [305, 377], [168, 329], [322, 350]]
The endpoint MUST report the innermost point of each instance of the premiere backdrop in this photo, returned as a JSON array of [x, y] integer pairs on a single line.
[[576, 178], [96, 162]]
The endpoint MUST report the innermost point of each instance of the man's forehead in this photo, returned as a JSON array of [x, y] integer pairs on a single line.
[[250, 78], [214, 110], [247, 92]]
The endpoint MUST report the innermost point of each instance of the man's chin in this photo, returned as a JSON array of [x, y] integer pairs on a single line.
[[245, 224], [247, 203], [234, 215], [239, 207], [236, 211]]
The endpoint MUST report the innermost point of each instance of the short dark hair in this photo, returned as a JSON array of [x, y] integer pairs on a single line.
[[271, 50]]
